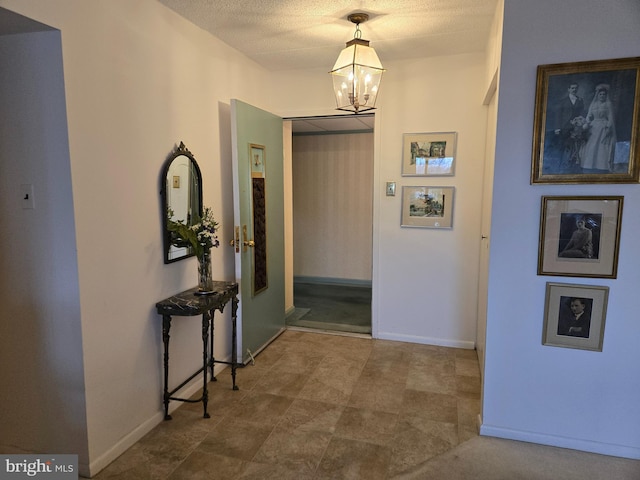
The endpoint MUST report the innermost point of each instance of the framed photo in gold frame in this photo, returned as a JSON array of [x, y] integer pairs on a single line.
[[586, 121], [580, 236]]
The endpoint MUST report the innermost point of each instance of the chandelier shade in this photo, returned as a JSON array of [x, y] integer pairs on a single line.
[[357, 74]]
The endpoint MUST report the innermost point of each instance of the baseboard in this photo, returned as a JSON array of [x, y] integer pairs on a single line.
[[333, 281], [562, 442], [250, 356], [442, 342], [141, 430], [127, 442], [329, 332]]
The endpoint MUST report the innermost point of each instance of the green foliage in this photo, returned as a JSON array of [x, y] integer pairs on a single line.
[[201, 235]]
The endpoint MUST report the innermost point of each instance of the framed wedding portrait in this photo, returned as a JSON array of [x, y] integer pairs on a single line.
[[574, 316], [427, 207], [428, 154], [580, 236], [586, 121]]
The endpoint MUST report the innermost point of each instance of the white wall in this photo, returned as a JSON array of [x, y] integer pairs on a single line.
[[558, 396], [139, 79], [41, 362], [429, 278], [424, 281]]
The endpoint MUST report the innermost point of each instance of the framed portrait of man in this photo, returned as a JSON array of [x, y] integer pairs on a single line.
[[586, 122], [575, 316]]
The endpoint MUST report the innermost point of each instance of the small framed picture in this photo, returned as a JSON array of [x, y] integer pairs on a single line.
[[256, 155], [428, 154], [580, 236], [574, 316], [427, 207], [586, 122]]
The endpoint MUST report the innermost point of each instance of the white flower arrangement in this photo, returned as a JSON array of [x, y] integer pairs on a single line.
[[201, 235]]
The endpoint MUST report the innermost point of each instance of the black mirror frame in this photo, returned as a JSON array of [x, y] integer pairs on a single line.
[[179, 151]]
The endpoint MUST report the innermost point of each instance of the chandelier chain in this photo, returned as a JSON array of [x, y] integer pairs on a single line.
[[358, 33]]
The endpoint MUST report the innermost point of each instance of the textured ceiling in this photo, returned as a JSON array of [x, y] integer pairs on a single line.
[[295, 34]]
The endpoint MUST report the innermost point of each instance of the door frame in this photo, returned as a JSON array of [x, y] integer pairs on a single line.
[[377, 189]]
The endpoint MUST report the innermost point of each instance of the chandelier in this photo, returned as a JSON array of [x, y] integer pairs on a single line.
[[357, 72]]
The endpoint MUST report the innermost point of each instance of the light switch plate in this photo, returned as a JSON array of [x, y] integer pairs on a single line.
[[391, 189]]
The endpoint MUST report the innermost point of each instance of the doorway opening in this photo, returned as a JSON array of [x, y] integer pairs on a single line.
[[332, 179], [331, 307]]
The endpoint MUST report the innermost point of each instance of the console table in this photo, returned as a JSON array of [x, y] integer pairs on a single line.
[[188, 303]]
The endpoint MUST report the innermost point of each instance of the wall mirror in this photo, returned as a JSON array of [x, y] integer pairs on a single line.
[[181, 191]]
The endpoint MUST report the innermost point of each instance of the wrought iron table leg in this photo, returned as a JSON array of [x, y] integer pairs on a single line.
[[206, 319], [166, 326], [212, 359], [234, 334]]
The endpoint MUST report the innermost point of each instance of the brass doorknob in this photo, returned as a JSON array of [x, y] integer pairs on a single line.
[[249, 243]]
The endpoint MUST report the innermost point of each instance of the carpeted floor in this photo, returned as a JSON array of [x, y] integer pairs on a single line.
[[331, 307], [488, 458]]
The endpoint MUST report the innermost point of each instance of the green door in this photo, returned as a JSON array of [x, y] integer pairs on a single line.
[[258, 198]]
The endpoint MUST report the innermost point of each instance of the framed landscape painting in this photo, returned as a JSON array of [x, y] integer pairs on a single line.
[[586, 122], [427, 207], [428, 154]]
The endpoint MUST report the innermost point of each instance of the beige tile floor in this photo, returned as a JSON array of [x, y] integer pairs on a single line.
[[317, 406]]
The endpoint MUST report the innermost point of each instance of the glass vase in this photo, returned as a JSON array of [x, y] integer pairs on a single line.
[[205, 280]]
